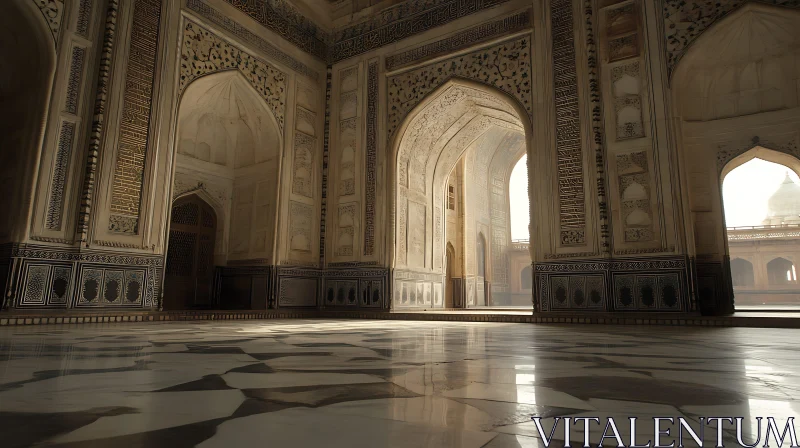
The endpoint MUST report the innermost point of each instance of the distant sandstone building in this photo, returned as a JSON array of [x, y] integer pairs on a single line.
[[763, 258]]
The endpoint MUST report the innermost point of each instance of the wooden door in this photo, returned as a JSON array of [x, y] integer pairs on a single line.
[[189, 272]]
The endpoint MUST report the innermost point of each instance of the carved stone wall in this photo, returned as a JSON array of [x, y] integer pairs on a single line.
[[204, 53], [234, 28], [134, 129], [370, 180], [303, 228], [685, 21], [569, 160], [347, 163], [654, 284], [280, 17], [369, 142], [400, 22], [632, 152], [50, 277], [506, 66], [53, 13], [470, 37], [717, 127]]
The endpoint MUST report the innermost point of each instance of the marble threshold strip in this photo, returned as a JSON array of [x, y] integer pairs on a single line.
[[18, 318]]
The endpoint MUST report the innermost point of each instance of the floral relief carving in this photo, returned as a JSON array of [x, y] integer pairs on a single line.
[[506, 66], [204, 53], [628, 110], [53, 12]]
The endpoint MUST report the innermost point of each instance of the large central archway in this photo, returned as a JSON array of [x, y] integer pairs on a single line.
[[228, 154], [452, 159]]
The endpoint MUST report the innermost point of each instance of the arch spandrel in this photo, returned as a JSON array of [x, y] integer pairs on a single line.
[[505, 67], [203, 53], [746, 62], [221, 111]]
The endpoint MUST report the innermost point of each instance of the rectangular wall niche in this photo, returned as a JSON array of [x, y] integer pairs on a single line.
[[622, 35], [347, 164]]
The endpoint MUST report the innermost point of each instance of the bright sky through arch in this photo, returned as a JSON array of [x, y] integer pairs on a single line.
[[518, 199], [748, 187]]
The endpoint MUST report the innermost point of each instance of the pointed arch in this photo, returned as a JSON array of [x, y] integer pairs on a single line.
[[228, 138], [205, 91], [784, 158], [28, 53], [744, 63], [470, 109], [203, 195]]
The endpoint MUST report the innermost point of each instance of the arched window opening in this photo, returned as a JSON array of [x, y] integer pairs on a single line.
[[781, 271], [742, 272], [518, 198], [761, 200], [453, 158]]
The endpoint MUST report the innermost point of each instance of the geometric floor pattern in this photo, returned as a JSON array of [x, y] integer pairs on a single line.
[[361, 383]]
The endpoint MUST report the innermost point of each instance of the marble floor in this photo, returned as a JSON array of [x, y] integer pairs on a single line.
[[361, 383]]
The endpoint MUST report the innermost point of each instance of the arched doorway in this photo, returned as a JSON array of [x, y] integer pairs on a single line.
[[228, 146], [735, 99], [189, 273], [453, 157], [27, 52], [761, 198]]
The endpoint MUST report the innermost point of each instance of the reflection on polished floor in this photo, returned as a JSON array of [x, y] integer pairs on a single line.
[[376, 383]]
